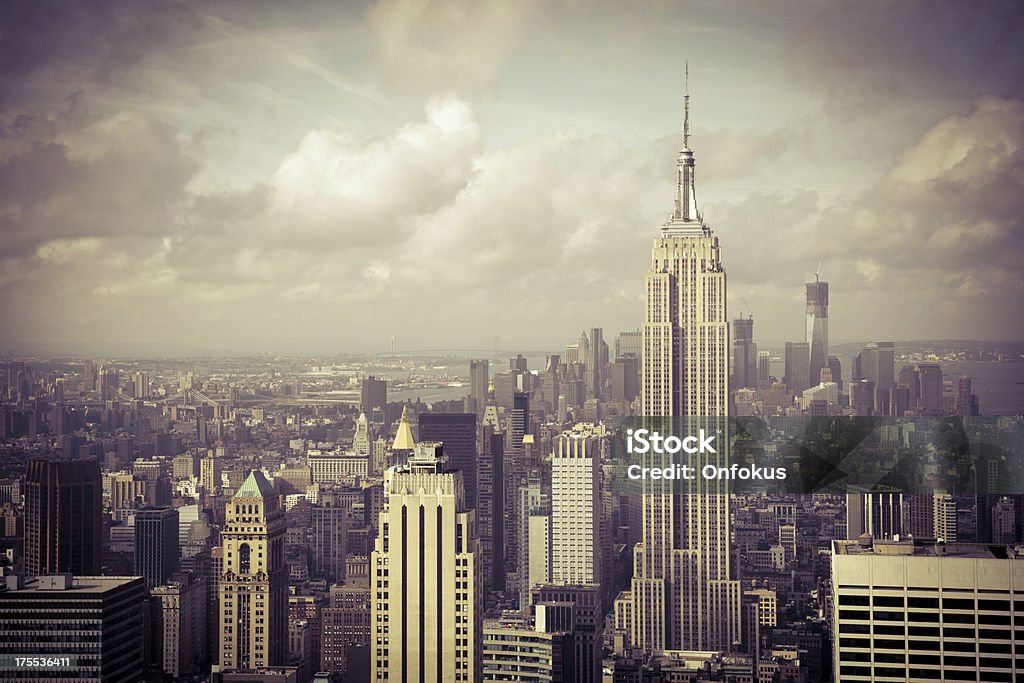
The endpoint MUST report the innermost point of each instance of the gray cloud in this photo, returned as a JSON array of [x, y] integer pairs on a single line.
[[875, 54], [349, 174], [97, 39], [940, 232]]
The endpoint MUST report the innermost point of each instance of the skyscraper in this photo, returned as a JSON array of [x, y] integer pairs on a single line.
[[63, 506], [515, 470], [479, 379], [764, 369], [929, 383], [836, 368], [576, 507], [966, 400], [744, 354], [329, 522], [878, 514], [682, 594], [903, 611], [457, 433], [156, 544], [817, 330], [629, 344], [428, 604], [797, 368], [254, 582], [97, 621], [142, 389], [876, 362], [374, 399], [597, 358], [490, 509], [180, 612], [361, 438]]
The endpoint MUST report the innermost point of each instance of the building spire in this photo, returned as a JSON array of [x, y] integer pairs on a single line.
[[403, 437], [686, 106], [686, 193]]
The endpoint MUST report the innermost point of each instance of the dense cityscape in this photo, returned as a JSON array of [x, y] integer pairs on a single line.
[[388, 341], [455, 517]]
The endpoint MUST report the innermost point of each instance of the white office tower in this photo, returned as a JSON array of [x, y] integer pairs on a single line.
[[576, 507], [944, 514], [682, 595], [936, 612], [427, 611], [361, 439]]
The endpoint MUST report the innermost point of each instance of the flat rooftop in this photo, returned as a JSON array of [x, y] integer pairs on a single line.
[[928, 549], [55, 584]]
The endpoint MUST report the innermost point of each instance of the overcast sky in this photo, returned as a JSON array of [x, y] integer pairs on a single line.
[[249, 175]]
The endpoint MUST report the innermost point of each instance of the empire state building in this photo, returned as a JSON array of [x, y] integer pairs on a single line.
[[682, 596]]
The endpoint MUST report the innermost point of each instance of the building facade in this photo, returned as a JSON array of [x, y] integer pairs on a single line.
[[181, 622], [427, 608], [254, 579], [156, 544], [63, 507], [682, 591], [943, 612], [105, 638], [576, 511]]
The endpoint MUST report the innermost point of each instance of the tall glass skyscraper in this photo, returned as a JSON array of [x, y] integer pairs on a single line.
[[683, 597], [817, 329]]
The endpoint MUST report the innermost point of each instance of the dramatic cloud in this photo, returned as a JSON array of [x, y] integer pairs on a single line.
[[941, 232], [240, 176]]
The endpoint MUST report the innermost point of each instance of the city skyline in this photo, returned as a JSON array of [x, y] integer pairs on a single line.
[[328, 349], [296, 199]]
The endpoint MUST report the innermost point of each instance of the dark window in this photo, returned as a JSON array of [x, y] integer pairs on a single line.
[[923, 603], [888, 616], [882, 643], [243, 558], [888, 601], [999, 648], [888, 630], [855, 600], [957, 618], [855, 656], [929, 631], [930, 617], [890, 671], [890, 657], [855, 670], [996, 662], [995, 633], [960, 661], [999, 676], [957, 603], [854, 642], [999, 619]]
